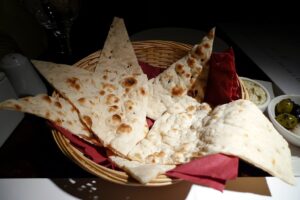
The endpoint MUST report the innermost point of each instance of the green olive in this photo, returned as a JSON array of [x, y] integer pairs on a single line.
[[284, 106], [287, 120]]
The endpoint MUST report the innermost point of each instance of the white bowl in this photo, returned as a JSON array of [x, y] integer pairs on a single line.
[[288, 135], [263, 106]]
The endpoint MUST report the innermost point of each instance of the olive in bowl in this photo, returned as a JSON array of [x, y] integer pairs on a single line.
[[284, 113]]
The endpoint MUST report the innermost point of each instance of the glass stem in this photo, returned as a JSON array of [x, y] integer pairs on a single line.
[[67, 30]]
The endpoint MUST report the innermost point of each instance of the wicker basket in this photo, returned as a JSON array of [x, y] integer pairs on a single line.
[[157, 53]]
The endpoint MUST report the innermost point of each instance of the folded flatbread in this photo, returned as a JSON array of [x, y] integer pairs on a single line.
[[55, 109], [239, 128], [144, 173], [180, 78], [172, 139]]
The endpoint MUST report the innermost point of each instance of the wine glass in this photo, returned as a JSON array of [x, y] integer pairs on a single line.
[[57, 17]]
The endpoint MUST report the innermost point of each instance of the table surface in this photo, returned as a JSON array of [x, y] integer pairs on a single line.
[[31, 152]]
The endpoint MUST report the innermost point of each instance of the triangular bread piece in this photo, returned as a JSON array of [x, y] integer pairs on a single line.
[[113, 110], [239, 128], [55, 109], [180, 78], [118, 54], [143, 173]]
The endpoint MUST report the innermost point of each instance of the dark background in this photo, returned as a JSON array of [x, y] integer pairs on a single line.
[[20, 32], [92, 25]]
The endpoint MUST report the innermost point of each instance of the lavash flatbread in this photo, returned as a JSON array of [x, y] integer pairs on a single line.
[[239, 128], [144, 173], [55, 109], [112, 109], [172, 139], [110, 101], [117, 55], [180, 77]]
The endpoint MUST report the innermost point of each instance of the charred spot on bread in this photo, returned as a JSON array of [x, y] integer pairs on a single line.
[[179, 69], [17, 107], [190, 61], [187, 75], [128, 105], [27, 99], [129, 82], [109, 87], [47, 99], [192, 92], [81, 100], [177, 91], [113, 108], [58, 121], [199, 51], [191, 108], [58, 104], [206, 45], [124, 128], [111, 98], [142, 91], [73, 82], [116, 119], [88, 120], [101, 92]]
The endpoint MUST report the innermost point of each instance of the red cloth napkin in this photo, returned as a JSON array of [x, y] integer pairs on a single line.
[[223, 84], [211, 171], [97, 154], [150, 70]]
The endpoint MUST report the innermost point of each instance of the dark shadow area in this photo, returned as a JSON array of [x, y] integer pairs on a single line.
[[91, 26], [31, 152], [96, 188]]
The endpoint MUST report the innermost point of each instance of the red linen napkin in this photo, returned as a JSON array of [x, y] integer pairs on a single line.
[[97, 154], [150, 70], [212, 170], [223, 84]]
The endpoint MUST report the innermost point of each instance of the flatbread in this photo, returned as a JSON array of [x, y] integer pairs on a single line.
[[172, 139], [55, 109], [117, 55], [197, 90], [112, 109], [144, 173], [180, 78], [239, 128]]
